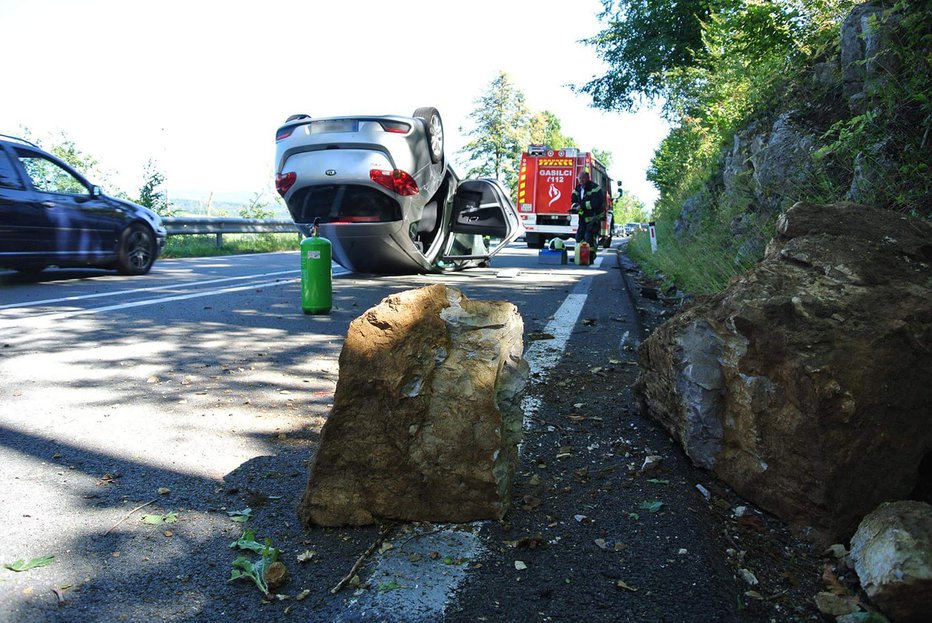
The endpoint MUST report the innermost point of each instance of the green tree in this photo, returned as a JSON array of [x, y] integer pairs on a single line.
[[643, 40], [604, 156], [257, 207], [68, 151], [86, 164], [151, 194], [629, 209], [546, 129], [500, 133]]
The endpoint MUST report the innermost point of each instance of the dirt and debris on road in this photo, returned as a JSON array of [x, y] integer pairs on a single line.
[[610, 522]]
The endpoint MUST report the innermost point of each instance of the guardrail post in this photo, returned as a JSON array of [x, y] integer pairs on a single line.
[[219, 240]]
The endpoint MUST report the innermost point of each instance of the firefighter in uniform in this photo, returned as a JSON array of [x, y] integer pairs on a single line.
[[589, 203]]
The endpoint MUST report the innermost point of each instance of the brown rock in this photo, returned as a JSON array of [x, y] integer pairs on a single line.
[[805, 385], [276, 575], [892, 553], [426, 415]]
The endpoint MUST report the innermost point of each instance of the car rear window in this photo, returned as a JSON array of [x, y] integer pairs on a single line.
[[8, 176], [343, 203]]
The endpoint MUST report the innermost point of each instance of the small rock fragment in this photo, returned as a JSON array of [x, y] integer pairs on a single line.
[[652, 461], [276, 575], [748, 577], [834, 605]]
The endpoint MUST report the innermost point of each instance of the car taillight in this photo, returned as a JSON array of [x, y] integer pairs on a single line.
[[398, 181], [357, 219], [395, 127], [284, 182], [284, 132]]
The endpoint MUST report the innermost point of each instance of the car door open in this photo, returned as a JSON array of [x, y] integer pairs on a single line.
[[482, 216]]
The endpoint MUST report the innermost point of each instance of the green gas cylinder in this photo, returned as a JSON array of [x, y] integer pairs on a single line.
[[316, 274]]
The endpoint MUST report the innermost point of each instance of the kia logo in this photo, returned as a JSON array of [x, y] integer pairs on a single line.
[[330, 172]]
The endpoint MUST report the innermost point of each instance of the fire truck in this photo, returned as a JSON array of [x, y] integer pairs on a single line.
[[545, 189]]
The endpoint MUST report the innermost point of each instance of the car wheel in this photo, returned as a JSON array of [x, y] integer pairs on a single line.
[[296, 117], [434, 126], [137, 250]]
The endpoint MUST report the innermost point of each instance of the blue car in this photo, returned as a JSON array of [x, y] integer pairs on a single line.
[[50, 215]]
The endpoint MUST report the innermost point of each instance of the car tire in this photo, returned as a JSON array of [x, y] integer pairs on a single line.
[[136, 253], [433, 125], [296, 117]]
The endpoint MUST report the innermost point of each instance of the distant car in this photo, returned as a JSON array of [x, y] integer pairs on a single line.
[[50, 215], [383, 193], [632, 228]]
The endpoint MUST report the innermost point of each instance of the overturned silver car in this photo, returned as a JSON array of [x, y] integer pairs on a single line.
[[385, 195]]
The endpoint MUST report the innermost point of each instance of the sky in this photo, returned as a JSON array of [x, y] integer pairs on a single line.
[[200, 86]]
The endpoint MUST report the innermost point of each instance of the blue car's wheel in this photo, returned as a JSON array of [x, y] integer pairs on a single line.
[[137, 250]]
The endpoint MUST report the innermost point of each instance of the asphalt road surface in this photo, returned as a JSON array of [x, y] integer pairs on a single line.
[[144, 418]]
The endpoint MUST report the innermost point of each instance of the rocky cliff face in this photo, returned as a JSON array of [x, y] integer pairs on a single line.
[[794, 153], [805, 384]]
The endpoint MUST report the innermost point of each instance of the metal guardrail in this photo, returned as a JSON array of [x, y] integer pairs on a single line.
[[184, 225]]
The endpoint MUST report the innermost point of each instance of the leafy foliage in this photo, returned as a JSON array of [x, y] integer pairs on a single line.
[[545, 129], [243, 568], [500, 134], [642, 42], [504, 127], [736, 63], [205, 245], [885, 150], [629, 209], [258, 207], [22, 565], [151, 194]]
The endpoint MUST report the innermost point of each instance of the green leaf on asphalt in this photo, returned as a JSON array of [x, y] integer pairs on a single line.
[[248, 542], [391, 585], [171, 517], [21, 565], [651, 505], [243, 568], [658, 481], [634, 516], [240, 516]]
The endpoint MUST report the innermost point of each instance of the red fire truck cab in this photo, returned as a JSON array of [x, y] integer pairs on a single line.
[[545, 190]]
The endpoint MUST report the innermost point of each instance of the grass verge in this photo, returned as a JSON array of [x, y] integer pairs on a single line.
[[203, 245]]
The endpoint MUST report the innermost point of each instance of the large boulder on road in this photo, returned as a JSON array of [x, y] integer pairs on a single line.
[[805, 384], [426, 418]]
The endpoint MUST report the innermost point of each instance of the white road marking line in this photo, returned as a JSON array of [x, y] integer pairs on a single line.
[[82, 297], [407, 582], [53, 317]]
